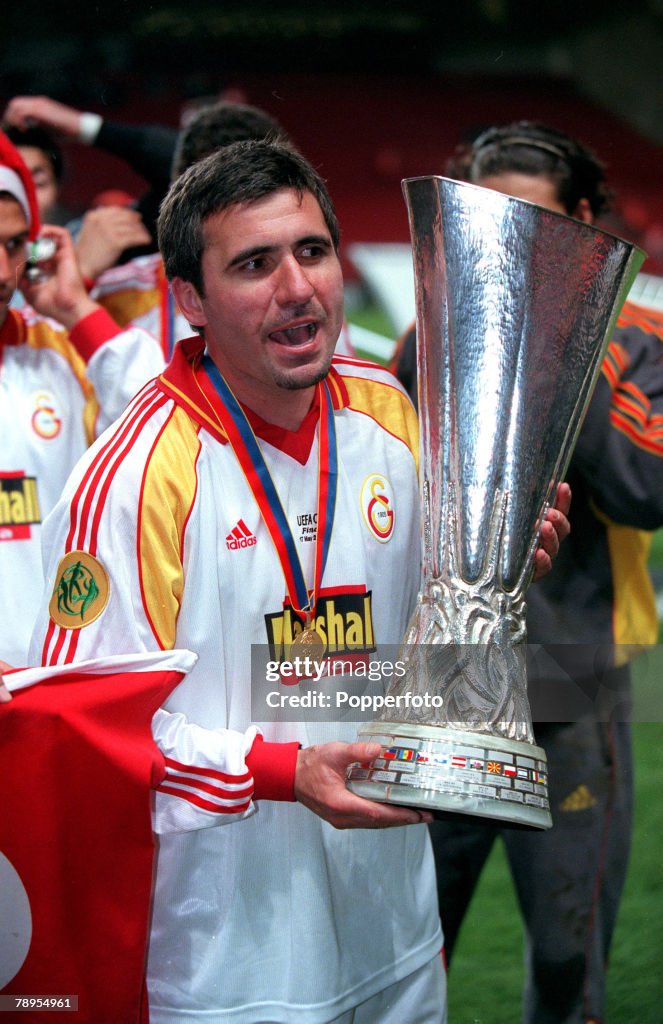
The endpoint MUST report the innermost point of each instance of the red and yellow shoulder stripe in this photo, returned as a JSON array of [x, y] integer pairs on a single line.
[[374, 391]]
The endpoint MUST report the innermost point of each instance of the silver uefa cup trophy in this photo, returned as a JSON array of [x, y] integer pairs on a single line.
[[515, 306]]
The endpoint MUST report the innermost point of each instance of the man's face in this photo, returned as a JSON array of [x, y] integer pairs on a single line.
[[273, 303], [13, 236], [41, 169]]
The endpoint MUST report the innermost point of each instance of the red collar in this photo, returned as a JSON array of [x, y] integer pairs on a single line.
[[194, 392], [12, 331]]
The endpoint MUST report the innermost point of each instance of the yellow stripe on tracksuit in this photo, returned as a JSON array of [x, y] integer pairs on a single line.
[[169, 490], [127, 305], [390, 408], [42, 334], [634, 616]]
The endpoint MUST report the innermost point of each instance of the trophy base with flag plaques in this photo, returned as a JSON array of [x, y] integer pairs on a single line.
[[457, 771]]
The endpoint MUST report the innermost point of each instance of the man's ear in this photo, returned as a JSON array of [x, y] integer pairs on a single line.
[[189, 302]]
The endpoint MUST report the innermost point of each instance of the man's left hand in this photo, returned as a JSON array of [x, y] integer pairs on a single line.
[[554, 530]]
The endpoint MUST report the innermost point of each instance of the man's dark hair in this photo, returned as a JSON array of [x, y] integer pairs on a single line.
[[532, 148], [240, 173], [221, 124], [38, 138]]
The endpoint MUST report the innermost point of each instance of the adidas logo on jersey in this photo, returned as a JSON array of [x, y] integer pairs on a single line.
[[240, 537]]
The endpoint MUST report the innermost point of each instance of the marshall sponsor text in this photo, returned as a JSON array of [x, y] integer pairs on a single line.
[[343, 620], [19, 506]]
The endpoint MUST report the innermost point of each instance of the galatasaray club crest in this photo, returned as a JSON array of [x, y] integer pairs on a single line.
[[81, 591], [377, 506], [45, 421]]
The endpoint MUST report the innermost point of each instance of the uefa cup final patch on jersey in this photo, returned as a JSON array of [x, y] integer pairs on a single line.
[[377, 506], [81, 591]]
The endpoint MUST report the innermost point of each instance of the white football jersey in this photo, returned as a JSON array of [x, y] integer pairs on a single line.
[[52, 406], [159, 543]]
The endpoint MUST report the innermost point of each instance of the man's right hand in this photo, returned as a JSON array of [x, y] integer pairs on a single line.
[[320, 786], [61, 294], [26, 111]]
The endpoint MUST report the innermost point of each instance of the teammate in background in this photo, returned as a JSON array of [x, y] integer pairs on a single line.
[[60, 386], [591, 615], [148, 149], [102, 235], [253, 427]]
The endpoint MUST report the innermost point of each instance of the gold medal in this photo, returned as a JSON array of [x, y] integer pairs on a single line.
[[309, 642]]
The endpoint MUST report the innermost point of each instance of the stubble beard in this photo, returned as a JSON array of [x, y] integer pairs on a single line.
[[292, 381], [290, 384]]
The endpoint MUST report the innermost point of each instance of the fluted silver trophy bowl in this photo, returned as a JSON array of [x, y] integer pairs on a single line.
[[515, 307]]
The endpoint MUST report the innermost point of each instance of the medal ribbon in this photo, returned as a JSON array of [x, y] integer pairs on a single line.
[[247, 450]]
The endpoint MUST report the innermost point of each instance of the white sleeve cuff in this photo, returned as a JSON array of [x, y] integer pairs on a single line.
[[88, 127], [207, 782]]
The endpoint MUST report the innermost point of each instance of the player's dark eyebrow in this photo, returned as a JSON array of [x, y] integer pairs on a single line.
[[322, 240], [250, 254], [264, 250]]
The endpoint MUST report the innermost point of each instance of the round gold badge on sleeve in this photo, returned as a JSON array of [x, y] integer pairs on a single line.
[[81, 591]]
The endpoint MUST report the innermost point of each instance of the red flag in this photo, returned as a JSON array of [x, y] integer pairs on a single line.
[[77, 763]]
